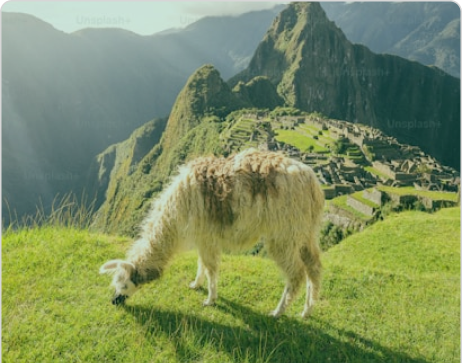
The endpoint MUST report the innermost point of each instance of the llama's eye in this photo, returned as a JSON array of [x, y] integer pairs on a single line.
[[125, 287]]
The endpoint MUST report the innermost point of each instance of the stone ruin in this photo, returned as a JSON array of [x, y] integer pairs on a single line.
[[391, 163]]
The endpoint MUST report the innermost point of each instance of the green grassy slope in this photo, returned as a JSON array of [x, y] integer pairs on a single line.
[[390, 294], [398, 283]]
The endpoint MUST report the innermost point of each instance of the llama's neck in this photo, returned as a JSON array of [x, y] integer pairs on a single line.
[[159, 237], [152, 252]]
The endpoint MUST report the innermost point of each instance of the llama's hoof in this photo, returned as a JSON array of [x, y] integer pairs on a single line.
[[193, 285], [208, 303], [307, 312], [275, 314]]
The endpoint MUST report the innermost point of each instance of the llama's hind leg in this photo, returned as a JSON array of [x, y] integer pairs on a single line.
[[294, 280], [200, 275], [312, 262], [294, 270], [210, 262]]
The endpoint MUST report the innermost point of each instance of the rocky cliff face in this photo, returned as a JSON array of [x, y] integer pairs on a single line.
[[120, 160], [259, 92], [315, 68]]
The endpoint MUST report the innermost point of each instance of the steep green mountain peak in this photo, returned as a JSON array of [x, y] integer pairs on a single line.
[[205, 93], [192, 129]]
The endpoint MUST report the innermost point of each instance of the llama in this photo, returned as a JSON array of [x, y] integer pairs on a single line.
[[228, 204]]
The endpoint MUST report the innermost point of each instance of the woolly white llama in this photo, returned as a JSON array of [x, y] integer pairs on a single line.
[[217, 204]]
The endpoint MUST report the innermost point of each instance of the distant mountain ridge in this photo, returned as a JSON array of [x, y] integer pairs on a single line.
[[67, 97], [427, 32], [316, 69]]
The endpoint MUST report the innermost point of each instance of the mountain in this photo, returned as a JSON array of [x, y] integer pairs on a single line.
[[205, 93], [120, 160], [67, 97], [427, 32], [208, 40], [192, 129], [259, 92], [315, 68], [211, 118]]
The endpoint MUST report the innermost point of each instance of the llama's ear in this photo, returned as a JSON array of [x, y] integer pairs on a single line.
[[109, 266], [113, 265]]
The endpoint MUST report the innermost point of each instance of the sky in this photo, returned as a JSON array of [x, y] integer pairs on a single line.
[[142, 17]]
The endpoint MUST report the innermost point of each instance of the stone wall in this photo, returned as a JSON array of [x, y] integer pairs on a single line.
[[360, 207], [341, 217], [405, 177], [402, 199], [375, 196], [384, 169], [436, 204], [341, 189], [329, 193], [340, 220]]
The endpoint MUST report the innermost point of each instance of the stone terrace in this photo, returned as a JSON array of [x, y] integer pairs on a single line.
[[370, 157]]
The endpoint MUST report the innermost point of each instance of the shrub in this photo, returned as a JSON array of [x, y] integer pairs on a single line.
[[338, 147], [418, 205], [332, 235]]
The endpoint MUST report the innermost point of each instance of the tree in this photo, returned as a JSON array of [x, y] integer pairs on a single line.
[[338, 147]]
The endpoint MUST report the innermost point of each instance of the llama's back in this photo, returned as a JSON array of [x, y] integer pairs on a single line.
[[253, 194]]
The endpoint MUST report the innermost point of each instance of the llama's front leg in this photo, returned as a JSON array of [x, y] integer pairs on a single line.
[[199, 276]]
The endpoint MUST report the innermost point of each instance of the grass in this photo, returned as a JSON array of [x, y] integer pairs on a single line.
[[390, 294], [376, 172], [311, 131], [435, 195], [407, 269], [300, 141]]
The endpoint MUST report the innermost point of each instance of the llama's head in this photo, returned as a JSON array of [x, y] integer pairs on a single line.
[[123, 281]]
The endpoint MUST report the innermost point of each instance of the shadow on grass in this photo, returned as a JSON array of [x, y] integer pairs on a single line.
[[260, 338]]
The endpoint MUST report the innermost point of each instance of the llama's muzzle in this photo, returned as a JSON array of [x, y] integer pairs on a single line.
[[119, 299]]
